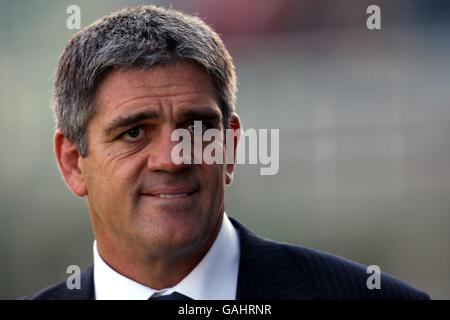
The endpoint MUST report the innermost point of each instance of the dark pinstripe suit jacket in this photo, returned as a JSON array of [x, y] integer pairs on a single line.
[[273, 270]]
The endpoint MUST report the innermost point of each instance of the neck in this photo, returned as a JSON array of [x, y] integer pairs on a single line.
[[157, 270]]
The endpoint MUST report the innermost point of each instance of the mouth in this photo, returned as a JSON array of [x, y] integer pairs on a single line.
[[171, 196], [179, 193]]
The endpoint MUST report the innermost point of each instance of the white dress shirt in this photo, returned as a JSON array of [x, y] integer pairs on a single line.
[[214, 277]]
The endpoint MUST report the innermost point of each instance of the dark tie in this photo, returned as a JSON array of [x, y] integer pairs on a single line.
[[173, 296]]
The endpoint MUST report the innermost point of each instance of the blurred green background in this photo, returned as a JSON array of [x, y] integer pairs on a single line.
[[364, 119]]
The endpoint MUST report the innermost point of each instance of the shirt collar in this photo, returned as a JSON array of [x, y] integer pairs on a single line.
[[214, 277]]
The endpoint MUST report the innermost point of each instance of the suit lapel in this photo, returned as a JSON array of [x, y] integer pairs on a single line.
[[87, 284], [267, 272]]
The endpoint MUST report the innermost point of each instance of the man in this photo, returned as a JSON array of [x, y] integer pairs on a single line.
[[123, 85]]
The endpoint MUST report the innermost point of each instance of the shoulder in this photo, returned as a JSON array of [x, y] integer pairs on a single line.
[[319, 274], [339, 278], [52, 292], [60, 291]]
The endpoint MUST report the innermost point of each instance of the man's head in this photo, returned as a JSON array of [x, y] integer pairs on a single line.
[[122, 86], [141, 37]]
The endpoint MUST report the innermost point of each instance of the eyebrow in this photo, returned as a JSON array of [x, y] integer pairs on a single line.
[[125, 121], [203, 114]]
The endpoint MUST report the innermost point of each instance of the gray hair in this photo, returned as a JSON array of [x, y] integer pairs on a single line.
[[143, 37]]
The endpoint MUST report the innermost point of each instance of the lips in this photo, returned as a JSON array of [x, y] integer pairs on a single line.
[[171, 193], [169, 196]]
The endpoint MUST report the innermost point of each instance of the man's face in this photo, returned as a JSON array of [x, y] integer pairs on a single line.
[[136, 194]]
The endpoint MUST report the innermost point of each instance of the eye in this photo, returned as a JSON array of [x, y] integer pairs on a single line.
[[133, 134]]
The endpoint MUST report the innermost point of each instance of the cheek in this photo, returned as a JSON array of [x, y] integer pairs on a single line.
[[215, 176], [113, 181]]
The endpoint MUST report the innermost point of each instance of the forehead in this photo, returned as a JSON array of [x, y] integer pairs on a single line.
[[182, 83]]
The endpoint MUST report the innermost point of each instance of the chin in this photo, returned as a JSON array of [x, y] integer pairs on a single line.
[[174, 236]]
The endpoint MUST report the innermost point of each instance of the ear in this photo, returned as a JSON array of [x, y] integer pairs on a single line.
[[69, 161], [231, 145]]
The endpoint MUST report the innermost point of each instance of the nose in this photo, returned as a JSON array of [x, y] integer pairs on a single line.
[[160, 150]]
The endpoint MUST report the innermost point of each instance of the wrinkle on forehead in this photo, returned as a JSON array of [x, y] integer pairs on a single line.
[[152, 97], [125, 86]]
